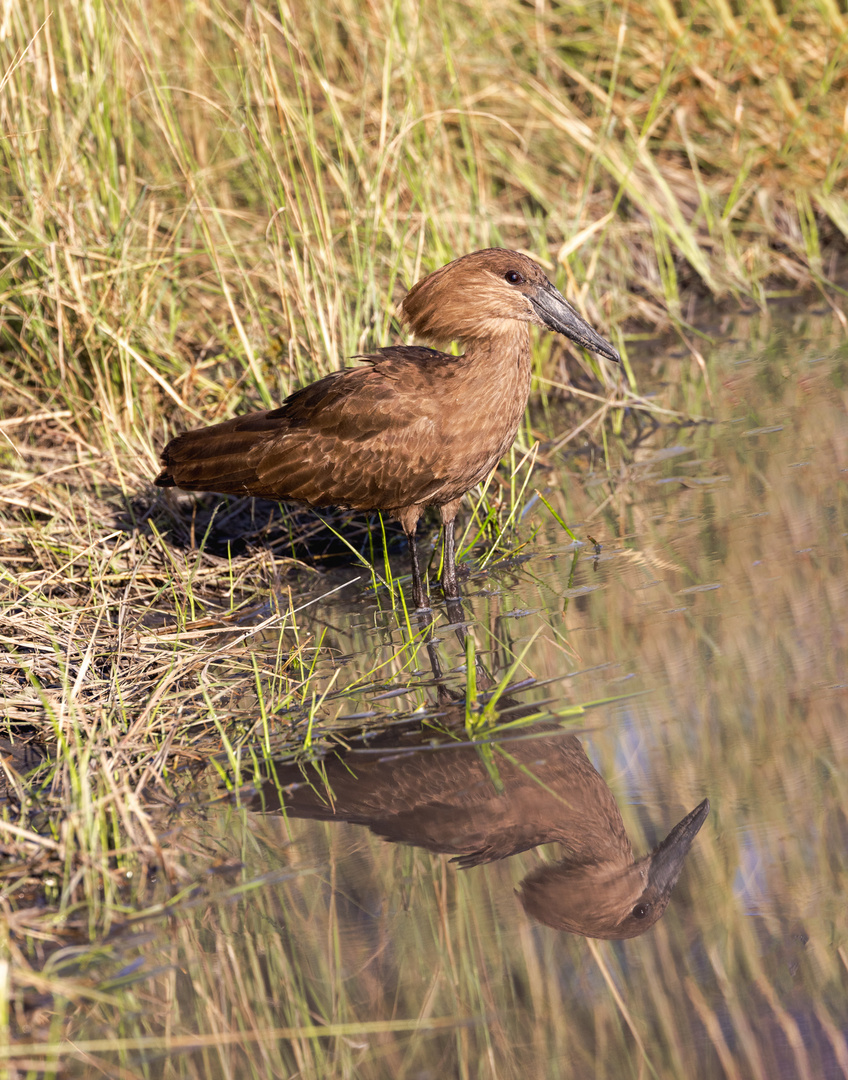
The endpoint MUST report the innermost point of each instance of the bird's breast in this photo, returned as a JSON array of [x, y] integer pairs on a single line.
[[477, 423]]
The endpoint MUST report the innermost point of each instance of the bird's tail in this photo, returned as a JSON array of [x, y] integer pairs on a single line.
[[217, 458]]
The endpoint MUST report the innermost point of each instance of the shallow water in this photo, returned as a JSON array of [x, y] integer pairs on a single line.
[[707, 642]]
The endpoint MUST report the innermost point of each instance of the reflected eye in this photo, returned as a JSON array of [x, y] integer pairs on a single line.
[[513, 277], [640, 911]]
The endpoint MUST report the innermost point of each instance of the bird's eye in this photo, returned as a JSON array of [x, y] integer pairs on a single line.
[[513, 277], [640, 911]]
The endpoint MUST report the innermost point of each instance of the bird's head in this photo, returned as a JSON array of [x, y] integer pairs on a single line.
[[611, 899], [483, 294]]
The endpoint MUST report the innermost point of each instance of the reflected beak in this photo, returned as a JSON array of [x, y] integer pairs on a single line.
[[667, 859], [557, 314]]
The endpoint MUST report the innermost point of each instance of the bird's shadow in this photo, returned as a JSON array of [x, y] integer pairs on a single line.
[[229, 527]]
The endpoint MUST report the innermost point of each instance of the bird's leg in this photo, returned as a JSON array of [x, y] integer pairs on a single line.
[[419, 595], [449, 582], [450, 585]]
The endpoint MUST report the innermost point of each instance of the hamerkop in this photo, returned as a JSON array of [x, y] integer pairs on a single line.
[[411, 428], [443, 799]]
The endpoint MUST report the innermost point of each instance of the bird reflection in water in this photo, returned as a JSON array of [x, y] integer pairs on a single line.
[[443, 797]]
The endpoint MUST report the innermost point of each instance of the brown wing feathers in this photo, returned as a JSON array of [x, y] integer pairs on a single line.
[[357, 417]]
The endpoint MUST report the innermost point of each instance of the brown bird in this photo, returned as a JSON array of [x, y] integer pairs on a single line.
[[442, 798], [413, 427]]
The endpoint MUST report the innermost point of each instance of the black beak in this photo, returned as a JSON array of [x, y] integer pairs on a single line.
[[557, 314], [667, 859]]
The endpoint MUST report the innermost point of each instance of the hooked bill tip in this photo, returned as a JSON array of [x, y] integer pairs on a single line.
[[613, 354]]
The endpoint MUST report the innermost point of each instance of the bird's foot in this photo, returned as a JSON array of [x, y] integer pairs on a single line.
[[420, 599], [450, 590]]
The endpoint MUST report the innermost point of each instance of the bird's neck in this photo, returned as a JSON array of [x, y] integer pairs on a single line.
[[501, 363], [506, 343]]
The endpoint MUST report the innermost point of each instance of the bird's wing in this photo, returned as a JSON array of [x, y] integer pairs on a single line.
[[365, 438]]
